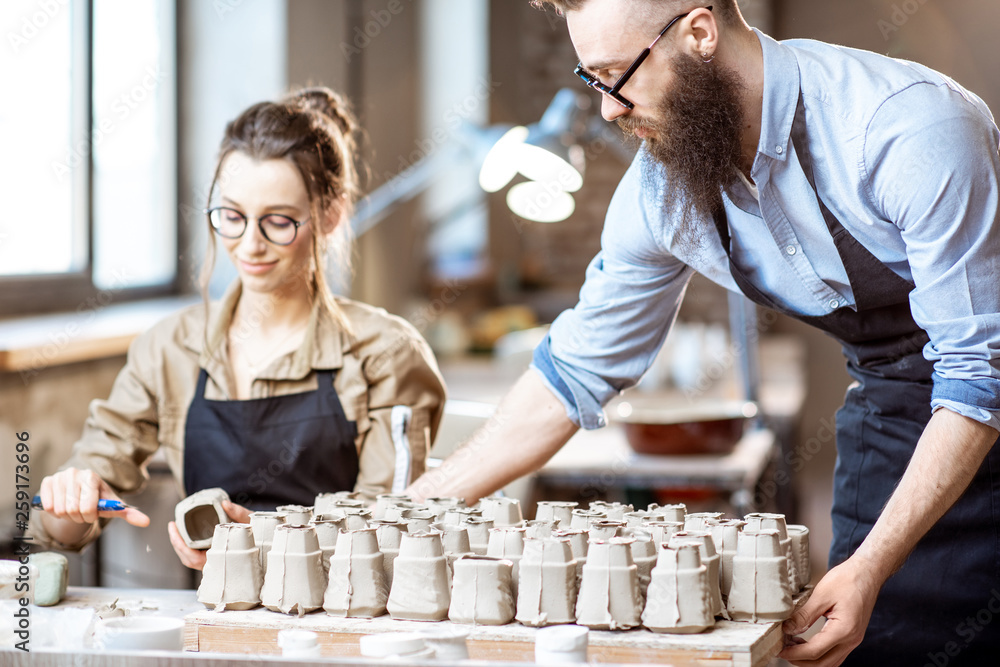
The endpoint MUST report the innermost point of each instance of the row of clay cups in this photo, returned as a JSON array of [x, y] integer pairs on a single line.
[[233, 577]]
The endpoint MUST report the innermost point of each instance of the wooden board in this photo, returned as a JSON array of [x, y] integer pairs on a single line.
[[256, 632]]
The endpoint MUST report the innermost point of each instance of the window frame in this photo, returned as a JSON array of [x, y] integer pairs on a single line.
[[75, 290]]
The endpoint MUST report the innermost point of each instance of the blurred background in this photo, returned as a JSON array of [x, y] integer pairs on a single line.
[[113, 114]]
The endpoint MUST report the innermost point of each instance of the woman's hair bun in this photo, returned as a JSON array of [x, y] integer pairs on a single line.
[[326, 102]]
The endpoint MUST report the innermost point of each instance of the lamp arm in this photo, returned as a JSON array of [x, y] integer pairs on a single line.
[[403, 187]]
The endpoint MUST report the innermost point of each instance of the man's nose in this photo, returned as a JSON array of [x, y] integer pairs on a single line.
[[611, 110]]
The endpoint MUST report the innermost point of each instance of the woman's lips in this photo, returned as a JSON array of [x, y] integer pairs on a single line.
[[256, 268]]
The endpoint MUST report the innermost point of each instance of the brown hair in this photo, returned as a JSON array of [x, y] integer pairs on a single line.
[[315, 130], [726, 10]]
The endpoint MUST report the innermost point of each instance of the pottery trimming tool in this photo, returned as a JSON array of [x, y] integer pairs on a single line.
[[103, 505]]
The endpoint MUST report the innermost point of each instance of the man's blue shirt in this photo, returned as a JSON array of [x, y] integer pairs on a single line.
[[905, 158]]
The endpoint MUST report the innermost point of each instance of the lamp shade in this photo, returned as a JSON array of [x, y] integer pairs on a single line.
[[502, 161], [540, 202]]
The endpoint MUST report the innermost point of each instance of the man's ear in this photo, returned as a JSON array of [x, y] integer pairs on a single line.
[[702, 35]]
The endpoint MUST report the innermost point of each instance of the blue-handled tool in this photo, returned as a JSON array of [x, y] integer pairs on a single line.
[[102, 505]]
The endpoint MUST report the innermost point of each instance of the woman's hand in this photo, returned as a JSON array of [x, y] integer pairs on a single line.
[[195, 558], [72, 495]]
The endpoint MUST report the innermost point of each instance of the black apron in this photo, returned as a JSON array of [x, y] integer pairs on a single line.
[[272, 451], [922, 615]]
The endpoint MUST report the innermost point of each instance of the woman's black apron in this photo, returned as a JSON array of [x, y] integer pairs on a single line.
[[271, 451], [943, 606]]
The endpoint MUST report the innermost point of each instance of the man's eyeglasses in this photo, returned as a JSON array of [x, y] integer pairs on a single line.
[[232, 224], [613, 91]]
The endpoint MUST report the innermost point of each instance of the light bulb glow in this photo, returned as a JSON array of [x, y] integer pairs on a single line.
[[544, 166], [540, 202], [501, 163]]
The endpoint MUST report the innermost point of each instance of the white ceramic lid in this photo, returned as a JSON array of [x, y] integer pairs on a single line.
[[391, 643], [296, 639], [561, 638]]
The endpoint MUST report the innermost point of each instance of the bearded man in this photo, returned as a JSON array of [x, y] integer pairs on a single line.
[[849, 190]]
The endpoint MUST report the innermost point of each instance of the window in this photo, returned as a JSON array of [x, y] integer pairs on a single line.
[[89, 176]]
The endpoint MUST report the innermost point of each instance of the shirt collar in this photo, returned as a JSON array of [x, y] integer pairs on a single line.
[[322, 348], [781, 97]]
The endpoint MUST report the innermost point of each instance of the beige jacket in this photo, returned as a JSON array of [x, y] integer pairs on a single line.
[[387, 380]]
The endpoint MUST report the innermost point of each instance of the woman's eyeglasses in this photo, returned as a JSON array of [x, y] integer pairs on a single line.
[[232, 224]]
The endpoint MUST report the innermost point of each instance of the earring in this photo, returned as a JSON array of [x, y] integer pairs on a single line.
[[705, 57]]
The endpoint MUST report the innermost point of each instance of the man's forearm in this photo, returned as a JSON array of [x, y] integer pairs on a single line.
[[950, 451], [529, 426]]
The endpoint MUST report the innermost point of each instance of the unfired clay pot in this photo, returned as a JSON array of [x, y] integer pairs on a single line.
[[389, 534], [760, 591], [385, 500], [538, 529], [554, 510], [327, 502], [441, 504], [579, 541], [417, 519], [581, 519], [613, 511], [394, 511], [479, 533], [711, 560], [455, 541], [294, 582], [700, 520], [263, 525], [547, 582], [482, 592], [671, 512], [356, 518], [420, 590], [605, 529], [766, 521], [197, 516], [507, 542], [644, 555], [232, 577], [609, 592], [662, 531], [357, 580], [639, 517], [679, 600], [296, 515], [799, 535], [327, 533], [726, 535], [502, 511], [456, 515]]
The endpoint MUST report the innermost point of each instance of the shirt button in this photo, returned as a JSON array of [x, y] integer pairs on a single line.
[[835, 304], [779, 150], [790, 250]]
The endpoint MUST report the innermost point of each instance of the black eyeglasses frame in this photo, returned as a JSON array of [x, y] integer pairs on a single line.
[[613, 91], [260, 224]]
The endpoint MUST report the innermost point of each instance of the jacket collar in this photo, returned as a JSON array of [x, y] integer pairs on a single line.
[[322, 348]]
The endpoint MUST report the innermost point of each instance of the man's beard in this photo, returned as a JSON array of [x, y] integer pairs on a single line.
[[695, 139]]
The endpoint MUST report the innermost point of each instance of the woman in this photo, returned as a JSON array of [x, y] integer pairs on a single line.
[[279, 391]]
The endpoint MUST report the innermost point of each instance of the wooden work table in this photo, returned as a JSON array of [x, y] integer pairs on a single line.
[[255, 633]]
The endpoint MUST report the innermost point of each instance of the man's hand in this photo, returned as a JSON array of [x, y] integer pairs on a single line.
[[195, 558], [846, 597]]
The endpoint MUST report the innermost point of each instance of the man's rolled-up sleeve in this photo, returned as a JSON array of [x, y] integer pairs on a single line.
[[937, 176], [631, 296]]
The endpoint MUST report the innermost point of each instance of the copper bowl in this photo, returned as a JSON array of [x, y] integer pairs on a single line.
[[705, 428]]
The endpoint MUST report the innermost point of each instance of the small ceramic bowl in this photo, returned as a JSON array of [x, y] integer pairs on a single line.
[[142, 633]]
